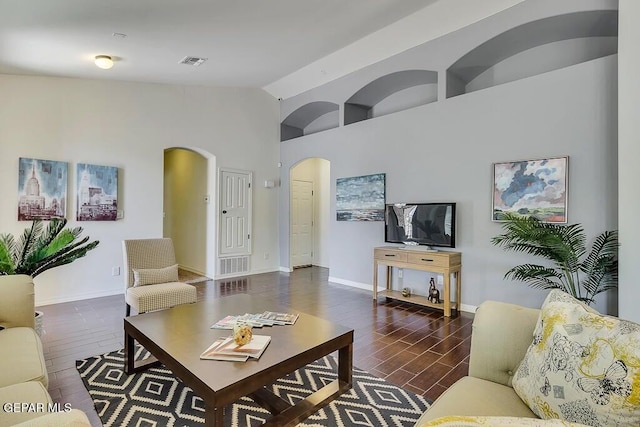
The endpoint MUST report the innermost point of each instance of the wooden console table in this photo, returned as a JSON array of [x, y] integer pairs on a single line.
[[440, 262]]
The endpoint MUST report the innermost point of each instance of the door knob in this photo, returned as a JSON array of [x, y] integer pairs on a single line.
[[224, 212]]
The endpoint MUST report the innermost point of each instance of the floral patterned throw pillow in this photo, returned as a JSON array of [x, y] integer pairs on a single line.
[[466, 421], [582, 367]]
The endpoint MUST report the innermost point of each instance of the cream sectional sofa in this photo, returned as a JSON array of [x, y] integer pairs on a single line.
[[565, 363], [24, 399], [501, 336]]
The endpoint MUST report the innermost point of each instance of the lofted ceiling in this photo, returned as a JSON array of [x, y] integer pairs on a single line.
[[247, 42]]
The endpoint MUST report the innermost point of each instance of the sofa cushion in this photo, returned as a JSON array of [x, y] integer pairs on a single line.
[[72, 418], [22, 357], [581, 366], [12, 397], [466, 421], [152, 276], [476, 397]]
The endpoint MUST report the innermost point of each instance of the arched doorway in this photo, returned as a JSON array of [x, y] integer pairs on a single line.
[[189, 208]]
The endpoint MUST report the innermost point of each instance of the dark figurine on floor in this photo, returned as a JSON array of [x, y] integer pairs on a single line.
[[434, 294]]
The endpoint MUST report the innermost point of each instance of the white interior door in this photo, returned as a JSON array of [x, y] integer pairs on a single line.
[[235, 212], [301, 223]]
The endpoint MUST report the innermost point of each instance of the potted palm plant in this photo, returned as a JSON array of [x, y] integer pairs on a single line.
[[41, 248], [570, 267]]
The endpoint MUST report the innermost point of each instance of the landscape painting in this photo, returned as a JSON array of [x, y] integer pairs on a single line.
[[360, 198], [42, 189], [532, 188], [97, 188]]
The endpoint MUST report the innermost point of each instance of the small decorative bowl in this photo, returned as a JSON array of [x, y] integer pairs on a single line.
[[242, 334]]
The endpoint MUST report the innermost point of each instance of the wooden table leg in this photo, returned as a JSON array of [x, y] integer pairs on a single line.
[[345, 364], [458, 292], [213, 417], [129, 354], [375, 280], [447, 295]]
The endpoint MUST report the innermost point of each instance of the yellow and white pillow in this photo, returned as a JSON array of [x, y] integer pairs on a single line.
[[466, 421], [153, 276], [582, 366]]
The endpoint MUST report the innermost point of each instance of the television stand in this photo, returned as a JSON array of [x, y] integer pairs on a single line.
[[421, 248], [413, 258]]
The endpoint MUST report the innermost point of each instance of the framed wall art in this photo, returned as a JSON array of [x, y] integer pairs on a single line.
[[360, 198], [536, 188], [97, 198], [42, 189]]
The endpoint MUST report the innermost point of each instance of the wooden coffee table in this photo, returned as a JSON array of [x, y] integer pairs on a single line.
[[176, 337]]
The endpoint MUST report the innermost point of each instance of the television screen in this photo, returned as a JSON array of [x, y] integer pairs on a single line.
[[431, 224]]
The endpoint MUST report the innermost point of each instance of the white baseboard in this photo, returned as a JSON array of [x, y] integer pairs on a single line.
[[285, 269], [359, 285], [468, 308], [191, 270], [80, 297], [251, 273]]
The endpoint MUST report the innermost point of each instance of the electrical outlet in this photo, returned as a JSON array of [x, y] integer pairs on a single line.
[[115, 271], [266, 255], [440, 279], [400, 273], [120, 214]]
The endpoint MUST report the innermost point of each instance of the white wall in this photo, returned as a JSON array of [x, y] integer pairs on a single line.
[[185, 208], [435, 20], [129, 125], [629, 153], [444, 151]]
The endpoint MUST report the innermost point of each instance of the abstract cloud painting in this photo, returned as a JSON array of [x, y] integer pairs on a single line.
[[532, 188]]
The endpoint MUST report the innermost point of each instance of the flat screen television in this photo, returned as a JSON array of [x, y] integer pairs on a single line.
[[431, 224]]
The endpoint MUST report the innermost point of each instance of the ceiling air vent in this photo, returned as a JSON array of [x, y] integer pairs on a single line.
[[192, 60]]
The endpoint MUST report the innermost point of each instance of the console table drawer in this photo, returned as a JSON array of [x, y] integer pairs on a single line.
[[428, 258], [390, 255]]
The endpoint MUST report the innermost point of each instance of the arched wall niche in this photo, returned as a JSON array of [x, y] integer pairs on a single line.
[[534, 48], [391, 93], [313, 117]]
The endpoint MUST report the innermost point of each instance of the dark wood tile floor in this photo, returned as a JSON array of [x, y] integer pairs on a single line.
[[410, 346]]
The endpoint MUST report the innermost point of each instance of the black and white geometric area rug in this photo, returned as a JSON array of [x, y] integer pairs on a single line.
[[156, 398]]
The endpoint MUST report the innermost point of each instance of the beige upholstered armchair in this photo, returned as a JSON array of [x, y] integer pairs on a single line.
[[151, 276]]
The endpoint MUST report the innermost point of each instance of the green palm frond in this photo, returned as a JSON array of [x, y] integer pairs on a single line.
[[6, 259], [537, 276], [71, 254], [41, 248], [26, 242], [563, 246]]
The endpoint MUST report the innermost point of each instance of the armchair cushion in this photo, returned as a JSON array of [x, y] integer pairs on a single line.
[[160, 296], [582, 366], [152, 276]]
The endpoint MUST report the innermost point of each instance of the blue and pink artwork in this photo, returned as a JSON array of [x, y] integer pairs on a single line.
[[531, 188]]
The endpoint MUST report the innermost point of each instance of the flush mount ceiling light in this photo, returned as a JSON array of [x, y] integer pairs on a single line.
[[104, 61]]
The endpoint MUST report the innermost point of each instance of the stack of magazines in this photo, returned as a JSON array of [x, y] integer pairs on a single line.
[[268, 318], [227, 349]]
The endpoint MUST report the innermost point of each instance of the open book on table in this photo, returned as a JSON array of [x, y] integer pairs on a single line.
[[227, 349]]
